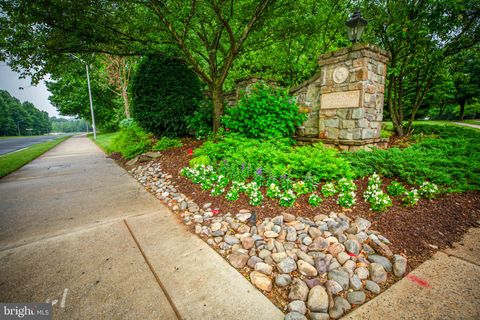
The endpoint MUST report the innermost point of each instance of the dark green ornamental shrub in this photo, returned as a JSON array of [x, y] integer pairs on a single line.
[[264, 112], [164, 93]]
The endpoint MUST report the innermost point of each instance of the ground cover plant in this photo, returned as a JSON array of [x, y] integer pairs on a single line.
[[445, 155]]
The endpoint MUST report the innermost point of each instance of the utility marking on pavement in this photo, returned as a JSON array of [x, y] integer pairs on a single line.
[[172, 304], [419, 281], [64, 297]]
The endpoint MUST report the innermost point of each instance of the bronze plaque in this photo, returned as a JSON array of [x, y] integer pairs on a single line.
[[339, 100]]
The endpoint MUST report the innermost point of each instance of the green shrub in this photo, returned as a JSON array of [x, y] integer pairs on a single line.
[[131, 140], [264, 112], [396, 188], [165, 143], [445, 155], [201, 122], [164, 93], [240, 158], [314, 200]]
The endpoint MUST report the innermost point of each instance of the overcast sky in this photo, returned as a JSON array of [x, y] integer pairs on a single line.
[[38, 95]]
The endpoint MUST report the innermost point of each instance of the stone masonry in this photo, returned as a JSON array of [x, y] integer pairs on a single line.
[[344, 101]]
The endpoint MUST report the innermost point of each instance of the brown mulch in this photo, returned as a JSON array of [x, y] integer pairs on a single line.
[[417, 232]]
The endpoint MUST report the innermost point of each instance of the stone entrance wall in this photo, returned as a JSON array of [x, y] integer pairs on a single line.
[[345, 100]]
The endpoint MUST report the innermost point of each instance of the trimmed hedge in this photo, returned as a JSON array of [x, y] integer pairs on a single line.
[[164, 93]]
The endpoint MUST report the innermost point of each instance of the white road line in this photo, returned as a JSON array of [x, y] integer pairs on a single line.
[[64, 297]]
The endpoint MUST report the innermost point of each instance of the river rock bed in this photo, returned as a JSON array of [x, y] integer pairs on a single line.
[[325, 265]]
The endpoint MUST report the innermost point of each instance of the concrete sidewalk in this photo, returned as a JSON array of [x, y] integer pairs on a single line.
[[451, 290], [79, 232], [476, 126]]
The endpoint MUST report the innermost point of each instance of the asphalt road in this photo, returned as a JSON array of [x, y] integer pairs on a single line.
[[13, 144]]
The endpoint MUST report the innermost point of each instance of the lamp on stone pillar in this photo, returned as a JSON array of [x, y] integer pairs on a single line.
[[355, 26]]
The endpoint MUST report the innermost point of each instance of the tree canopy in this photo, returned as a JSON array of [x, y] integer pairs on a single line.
[[223, 41], [17, 118]]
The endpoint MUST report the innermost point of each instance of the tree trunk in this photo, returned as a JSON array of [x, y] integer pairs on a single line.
[[126, 103], [217, 99], [462, 110]]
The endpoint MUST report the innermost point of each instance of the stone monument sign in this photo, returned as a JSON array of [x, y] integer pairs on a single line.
[[344, 100]]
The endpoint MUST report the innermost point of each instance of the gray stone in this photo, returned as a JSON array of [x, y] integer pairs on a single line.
[[307, 241], [318, 299], [276, 229], [287, 265], [305, 257], [297, 306], [319, 244], [306, 269], [238, 260], [261, 281], [279, 256], [356, 283], [278, 220], [231, 240], [244, 216], [291, 234], [314, 232], [321, 265], [332, 123], [372, 287], [377, 273], [270, 234], [341, 306], [218, 233], [295, 316], [352, 246], [399, 265], [318, 316], [279, 246], [298, 290], [358, 113], [215, 226], [264, 268], [264, 253], [341, 277], [253, 260], [248, 243], [381, 260], [287, 217], [283, 280], [333, 287], [342, 257], [362, 273], [356, 297], [312, 282], [298, 225]]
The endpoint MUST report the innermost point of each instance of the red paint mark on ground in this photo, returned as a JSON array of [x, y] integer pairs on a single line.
[[215, 211], [419, 281], [351, 254]]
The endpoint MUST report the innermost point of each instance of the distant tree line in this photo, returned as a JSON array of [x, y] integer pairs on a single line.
[[17, 118], [69, 125]]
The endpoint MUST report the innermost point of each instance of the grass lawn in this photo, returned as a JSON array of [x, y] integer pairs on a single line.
[[474, 121], [104, 141], [13, 161]]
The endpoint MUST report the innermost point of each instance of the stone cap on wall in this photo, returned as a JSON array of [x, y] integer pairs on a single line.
[[364, 50]]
